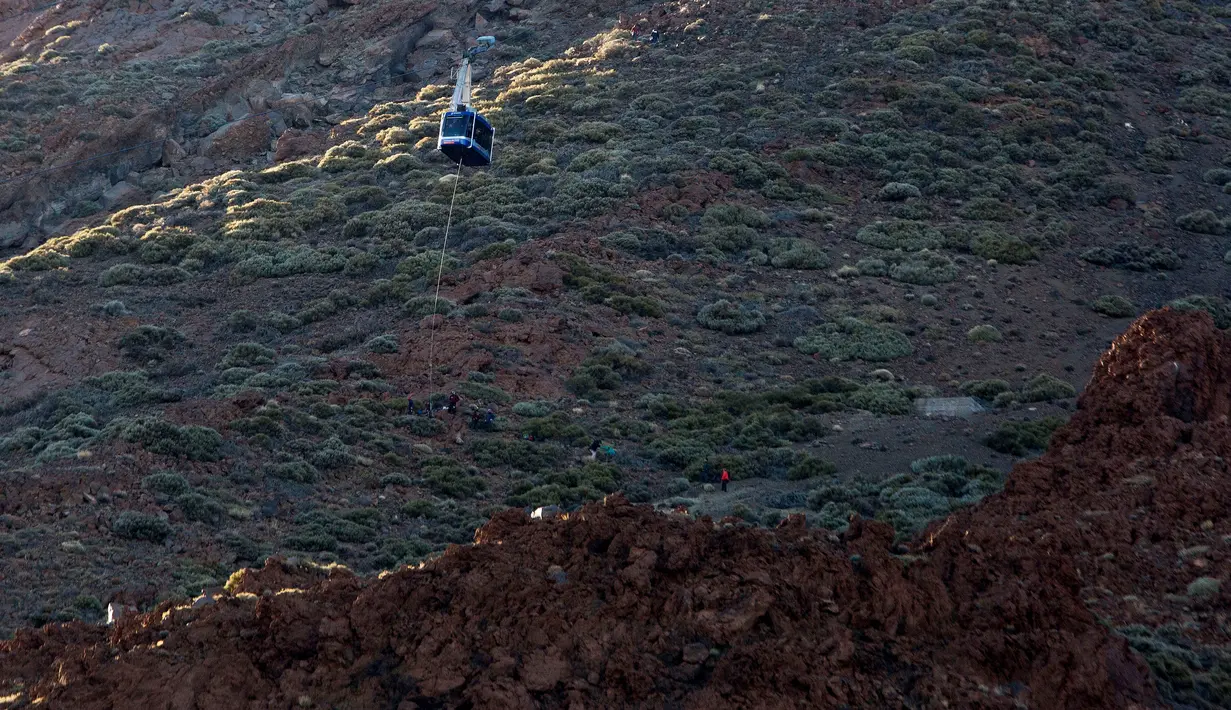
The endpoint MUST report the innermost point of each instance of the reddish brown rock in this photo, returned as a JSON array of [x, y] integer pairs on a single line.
[[295, 143], [239, 140], [527, 269], [991, 613]]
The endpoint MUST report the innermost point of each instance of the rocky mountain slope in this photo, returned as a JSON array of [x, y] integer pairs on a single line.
[[760, 244], [1024, 600], [108, 103]]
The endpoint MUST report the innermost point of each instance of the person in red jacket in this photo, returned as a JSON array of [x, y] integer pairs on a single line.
[[725, 477]]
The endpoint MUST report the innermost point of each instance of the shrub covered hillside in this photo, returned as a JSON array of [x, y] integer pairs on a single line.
[[747, 246]]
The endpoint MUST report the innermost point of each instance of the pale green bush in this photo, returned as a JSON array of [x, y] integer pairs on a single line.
[[730, 318], [853, 339], [984, 334]]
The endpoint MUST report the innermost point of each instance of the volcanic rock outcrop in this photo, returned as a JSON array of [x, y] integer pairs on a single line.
[[616, 604]]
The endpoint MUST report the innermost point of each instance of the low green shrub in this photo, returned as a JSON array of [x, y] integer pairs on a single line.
[[924, 267], [346, 527], [811, 467], [133, 274], [383, 344], [1003, 248], [420, 509], [731, 228], [797, 254], [1134, 257], [898, 191], [567, 488], [882, 399], [134, 525], [1217, 176], [196, 443], [301, 259], [247, 355], [853, 339], [1218, 308], [1201, 222], [1187, 673], [1204, 588], [422, 306], [871, 267], [332, 454], [984, 334], [1114, 306], [114, 308], [162, 245], [150, 342], [348, 156], [748, 170], [426, 264], [537, 408], [1165, 148], [129, 389], [446, 477], [35, 260], [1205, 100], [988, 209], [731, 318], [312, 540], [284, 172], [985, 389], [1020, 438], [296, 470], [423, 426], [937, 464], [1045, 388], [521, 455], [486, 394], [936, 486], [556, 426], [200, 507], [167, 483], [677, 452], [905, 235]]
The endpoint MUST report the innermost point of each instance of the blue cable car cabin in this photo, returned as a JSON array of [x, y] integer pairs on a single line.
[[466, 137]]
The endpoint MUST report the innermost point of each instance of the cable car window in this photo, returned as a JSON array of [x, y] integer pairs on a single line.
[[483, 135], [455, 126]]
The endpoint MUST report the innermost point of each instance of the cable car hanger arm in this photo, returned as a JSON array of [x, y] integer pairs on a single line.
[[461, 91]]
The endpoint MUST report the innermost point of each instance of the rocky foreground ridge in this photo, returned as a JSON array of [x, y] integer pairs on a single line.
[[1011, 603]]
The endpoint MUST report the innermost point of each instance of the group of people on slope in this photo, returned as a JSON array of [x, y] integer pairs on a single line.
[[487, 422]]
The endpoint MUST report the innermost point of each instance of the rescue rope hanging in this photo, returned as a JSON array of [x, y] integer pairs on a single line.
[[465, 137], [440, 270]]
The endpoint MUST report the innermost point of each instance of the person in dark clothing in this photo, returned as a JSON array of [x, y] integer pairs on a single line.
[[725, 478], [705, 473], [594, 449], [410, 405], [475, 419], [453, 400], [654, 37], [489, 419]]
